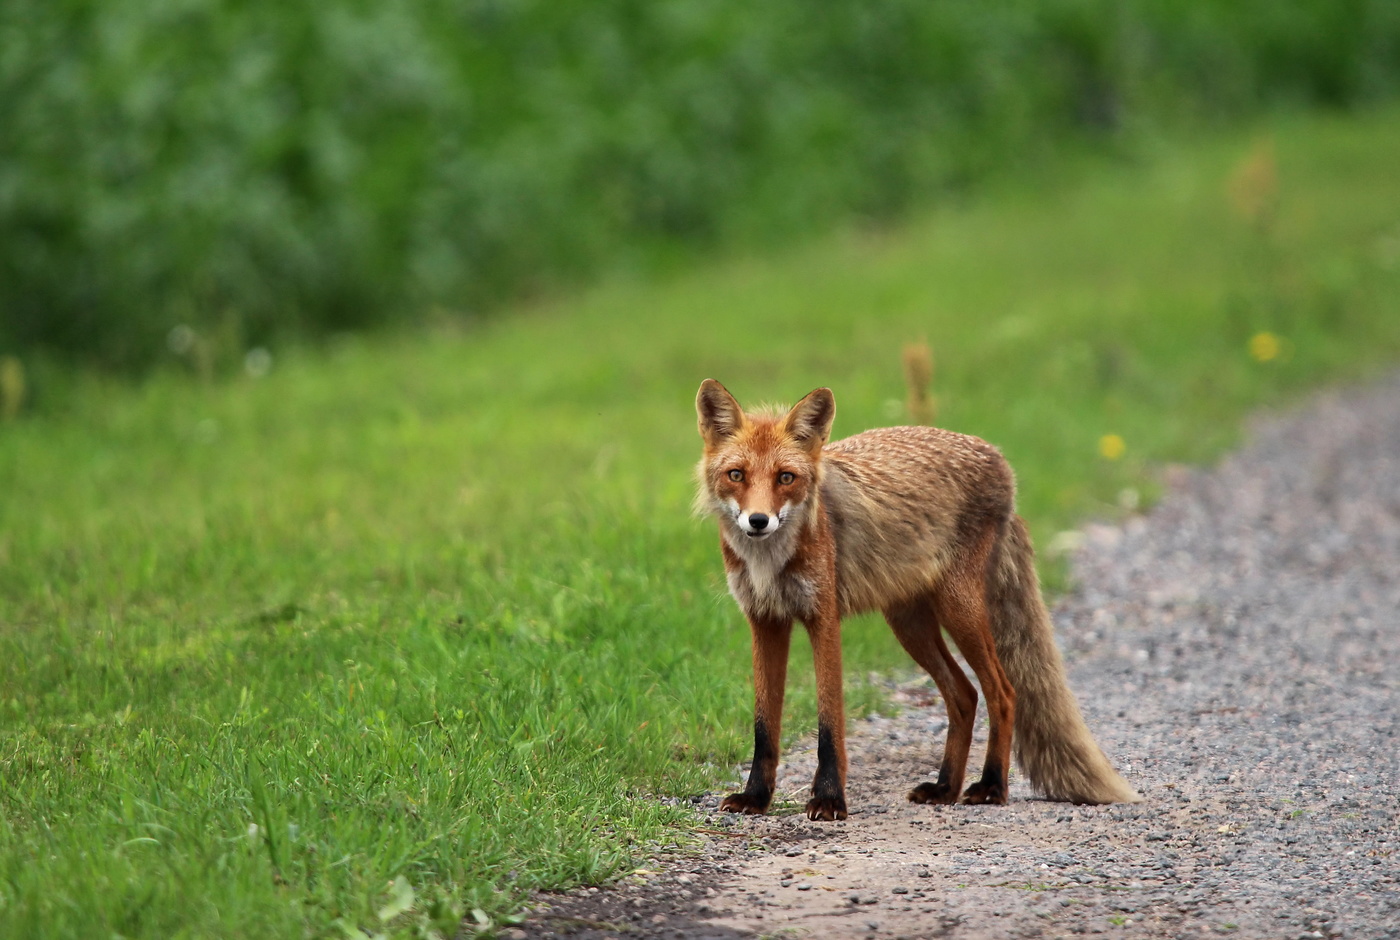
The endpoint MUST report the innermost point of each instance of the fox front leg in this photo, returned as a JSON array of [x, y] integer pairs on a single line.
[[828, 800], [770, 657]]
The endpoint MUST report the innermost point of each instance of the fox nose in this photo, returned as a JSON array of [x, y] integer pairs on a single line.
[[758, 521]]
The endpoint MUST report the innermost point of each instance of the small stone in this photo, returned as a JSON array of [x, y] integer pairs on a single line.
[[900, 889], [804, 887], [785, 883]]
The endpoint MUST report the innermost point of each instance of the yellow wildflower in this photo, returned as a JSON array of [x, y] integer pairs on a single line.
[[1264, 347]]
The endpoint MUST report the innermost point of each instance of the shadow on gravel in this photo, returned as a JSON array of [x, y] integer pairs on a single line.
[[610, 913]]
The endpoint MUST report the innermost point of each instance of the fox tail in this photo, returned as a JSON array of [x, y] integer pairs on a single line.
[[1051, 743]]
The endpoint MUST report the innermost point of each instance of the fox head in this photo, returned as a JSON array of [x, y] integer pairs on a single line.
[[760, 472]]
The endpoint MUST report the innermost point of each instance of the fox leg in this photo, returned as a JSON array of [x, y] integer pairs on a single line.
[[770, 659], [961, 607], [828, 800], [918, 632]]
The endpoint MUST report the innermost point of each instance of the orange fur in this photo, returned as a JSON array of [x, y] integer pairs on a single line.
[[918, 523]]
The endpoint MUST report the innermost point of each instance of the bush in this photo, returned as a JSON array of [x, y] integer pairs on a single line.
[[255, 168]]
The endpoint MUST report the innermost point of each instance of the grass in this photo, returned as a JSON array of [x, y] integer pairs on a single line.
[[413, 625]]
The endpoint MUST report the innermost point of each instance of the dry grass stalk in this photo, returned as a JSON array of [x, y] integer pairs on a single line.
[[918, 375], [1253, 186], [11, 387]]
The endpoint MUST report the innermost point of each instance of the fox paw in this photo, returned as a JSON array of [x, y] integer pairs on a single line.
[[744, 803], [985, 792], [933, 793], [826, 808]]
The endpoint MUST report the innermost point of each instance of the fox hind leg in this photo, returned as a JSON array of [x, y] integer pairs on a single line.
[[960, 605], [918, 632]]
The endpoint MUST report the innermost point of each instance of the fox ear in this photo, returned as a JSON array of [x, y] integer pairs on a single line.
[[809, 421], [720, 415]]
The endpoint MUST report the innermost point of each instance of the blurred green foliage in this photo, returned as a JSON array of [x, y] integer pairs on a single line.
[[253, 168]]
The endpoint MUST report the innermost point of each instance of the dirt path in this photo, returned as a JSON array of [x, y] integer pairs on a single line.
[[1237, 652]]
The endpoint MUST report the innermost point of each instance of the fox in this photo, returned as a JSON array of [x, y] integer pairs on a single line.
[[918, 523]]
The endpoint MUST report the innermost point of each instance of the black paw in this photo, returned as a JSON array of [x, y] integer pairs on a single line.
[[826, 808], [984, 791], [745, 803], [933, 793]]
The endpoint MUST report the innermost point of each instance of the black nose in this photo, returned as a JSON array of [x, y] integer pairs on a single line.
[[758, 520]]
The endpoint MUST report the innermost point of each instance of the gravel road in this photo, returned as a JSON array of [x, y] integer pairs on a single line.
[[1237, 652]]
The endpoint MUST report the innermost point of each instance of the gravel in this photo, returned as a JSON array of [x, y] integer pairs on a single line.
[[1235, 651]]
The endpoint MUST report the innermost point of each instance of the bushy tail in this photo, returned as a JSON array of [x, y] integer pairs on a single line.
[[1052, 744]]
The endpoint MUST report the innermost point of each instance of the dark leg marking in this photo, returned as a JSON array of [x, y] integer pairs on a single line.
[[940, 792], [828, 797], [758, 792], [991, 788]]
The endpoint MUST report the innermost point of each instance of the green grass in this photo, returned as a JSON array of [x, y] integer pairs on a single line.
[[433, 608]]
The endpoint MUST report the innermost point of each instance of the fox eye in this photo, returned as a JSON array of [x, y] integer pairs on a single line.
[[785, 478], [736, 475]]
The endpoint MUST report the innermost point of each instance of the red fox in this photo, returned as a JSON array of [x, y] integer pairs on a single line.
[[919, 524]]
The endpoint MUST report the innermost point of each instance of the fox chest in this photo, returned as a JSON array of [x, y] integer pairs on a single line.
[[772, 591]]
